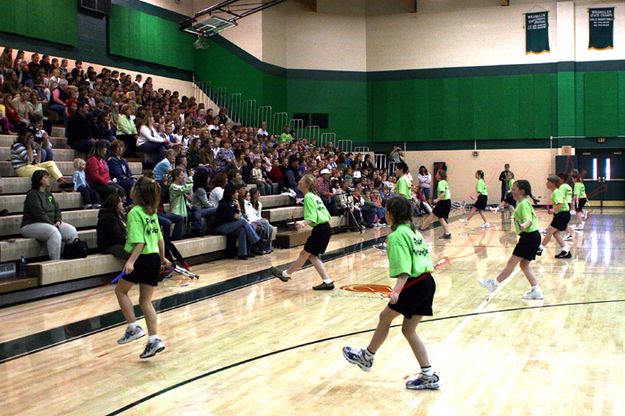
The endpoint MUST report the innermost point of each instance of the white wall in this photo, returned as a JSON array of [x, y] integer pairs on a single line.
[[181, 6], [531, 164]]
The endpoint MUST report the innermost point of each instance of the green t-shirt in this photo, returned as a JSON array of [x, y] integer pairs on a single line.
[[314, 210], [285, 137], [443, 187], [143, 228], [403, 187], [557, 197], [579, 190], [408, 253], [510, 184], [567, 191], [525, 212], [481, 187]]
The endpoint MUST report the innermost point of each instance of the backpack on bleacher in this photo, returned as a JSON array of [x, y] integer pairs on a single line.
[[77, 249]]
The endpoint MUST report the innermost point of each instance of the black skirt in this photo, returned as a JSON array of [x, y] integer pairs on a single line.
[[442, 208], [481, 202], [510, 199], [561, 220], [318, 241], [416, 299], [581, 203], [528, 245], [147, 270]]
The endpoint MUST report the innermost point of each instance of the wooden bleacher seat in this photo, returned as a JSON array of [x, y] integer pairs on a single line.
[[57, 142], [60, 155], [283, 214], [66, 168], [66, 200], [294, 238]]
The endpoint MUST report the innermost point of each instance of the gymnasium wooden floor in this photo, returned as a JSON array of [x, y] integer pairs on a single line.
[[263, 347]]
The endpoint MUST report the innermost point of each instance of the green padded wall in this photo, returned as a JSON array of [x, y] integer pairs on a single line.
[[137, 35], [52, 20]]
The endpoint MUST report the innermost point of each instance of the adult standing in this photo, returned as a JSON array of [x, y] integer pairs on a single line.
[[503, 178], [42, 217], [425, 181]]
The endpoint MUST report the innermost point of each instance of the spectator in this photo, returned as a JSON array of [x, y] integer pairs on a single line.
[[228, 221], [42, 219], [26, 159], [224, 156], [111, 227], [262, 131], [202, 206], [425, 181], [106, 128], [23, 106], [81, 132], [119, 169], [178, 198], [503, 178], [90, 197], [219, 183], [11, 84], [397, 155], [149, 140], [126, 128], [98, 176], [7, 127], [59, 99], [286, 135], [41, 137], [292, 176], [323, 188], [165, 165], [253, 209]]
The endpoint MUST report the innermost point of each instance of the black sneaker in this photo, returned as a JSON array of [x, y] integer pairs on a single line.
[[539, 252], [324, 286], [153, 348], [564, 255], [278, 273], [446, 236]]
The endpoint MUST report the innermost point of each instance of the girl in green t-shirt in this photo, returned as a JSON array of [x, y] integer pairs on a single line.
[[527, 227], [145, 244], [508, 198], [561, 218], [481, 199], [412, 296], [443, 205], [317, 216], [579, 199]]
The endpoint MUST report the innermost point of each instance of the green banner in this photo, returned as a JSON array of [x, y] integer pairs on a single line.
[[536, 32], [601, 27]]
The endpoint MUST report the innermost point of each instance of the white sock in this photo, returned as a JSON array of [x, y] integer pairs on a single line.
[[153, 338], [327, 281], [495, 282], [537, 287], [541, 247], [132, 325], [368, 355], [285, 274], [427, 371]]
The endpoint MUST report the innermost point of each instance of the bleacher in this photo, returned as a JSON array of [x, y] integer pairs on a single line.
[[278, 209]]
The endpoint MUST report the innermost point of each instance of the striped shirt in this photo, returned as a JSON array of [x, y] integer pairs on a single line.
[[19, 156]]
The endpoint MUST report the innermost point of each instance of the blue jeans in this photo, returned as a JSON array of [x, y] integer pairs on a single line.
[[166, 220], [196, 214], [47, 154], [153, 148], [245, 232]]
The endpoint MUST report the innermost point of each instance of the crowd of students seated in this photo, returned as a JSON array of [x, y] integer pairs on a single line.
[[202, 160]]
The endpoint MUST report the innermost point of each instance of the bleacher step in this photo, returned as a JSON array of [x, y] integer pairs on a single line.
[[283, 214], [293, 238], [11, 225], [17, 185], [66, 200], [60, 155], [18, 283], [57, 142], [67, 168]]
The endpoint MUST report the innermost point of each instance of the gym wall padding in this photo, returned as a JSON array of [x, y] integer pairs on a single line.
[[137, 35], [51, 20]]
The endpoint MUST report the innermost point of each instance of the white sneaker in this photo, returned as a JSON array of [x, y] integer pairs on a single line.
[[568, 238], [464, 221], [494, 210], [534, 293], [579, 227], [131, 335], [543, 231], [152, 348], [485, 225], [489, 284]]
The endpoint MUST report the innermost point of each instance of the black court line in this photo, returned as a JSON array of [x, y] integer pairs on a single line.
[[39, 341], [319, 341]]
